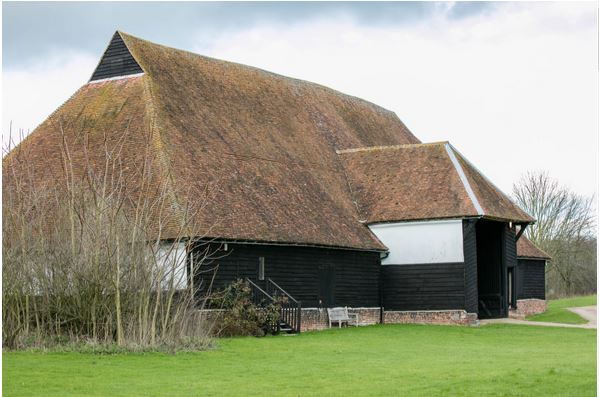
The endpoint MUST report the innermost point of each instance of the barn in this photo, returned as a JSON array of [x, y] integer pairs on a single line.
[[322, 196]]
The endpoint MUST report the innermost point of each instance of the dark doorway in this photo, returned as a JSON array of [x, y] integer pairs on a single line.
[[491, 270], [326, 285], [511, 284]]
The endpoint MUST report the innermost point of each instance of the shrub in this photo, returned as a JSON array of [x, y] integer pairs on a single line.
[[83, 258], [241, 315]]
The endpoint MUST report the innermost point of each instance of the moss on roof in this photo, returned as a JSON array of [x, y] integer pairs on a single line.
[[275, 158], [420, 181], [406, 182]]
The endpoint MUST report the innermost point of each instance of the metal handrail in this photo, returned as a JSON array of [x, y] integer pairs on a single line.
[[259, 289], [282, 290], [291, 311], [258, 298]]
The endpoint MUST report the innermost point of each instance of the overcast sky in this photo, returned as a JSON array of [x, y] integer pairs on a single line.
[[512, 85]]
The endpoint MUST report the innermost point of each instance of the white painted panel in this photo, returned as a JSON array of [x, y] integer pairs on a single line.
[[421, 242], [171, 265]]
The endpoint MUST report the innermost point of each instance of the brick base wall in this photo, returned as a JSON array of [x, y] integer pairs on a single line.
[[528, 307], [450, 317], [314, 319]]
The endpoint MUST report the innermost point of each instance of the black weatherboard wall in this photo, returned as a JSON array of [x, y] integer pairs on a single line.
[[530, 276], [438, 286], [117, 61], [319, 277], [509, 249], [470, 266]]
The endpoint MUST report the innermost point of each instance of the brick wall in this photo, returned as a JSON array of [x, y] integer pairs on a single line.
[[314, 319], [450, 317], [528, 307]]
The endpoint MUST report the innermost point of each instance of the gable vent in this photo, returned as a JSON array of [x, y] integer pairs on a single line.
[[117, 61]]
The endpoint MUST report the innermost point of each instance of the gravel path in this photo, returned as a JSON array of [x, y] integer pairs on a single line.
[[588, 313]]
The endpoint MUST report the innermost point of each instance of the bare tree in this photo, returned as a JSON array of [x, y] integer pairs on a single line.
[[565, 229], [84, 257]]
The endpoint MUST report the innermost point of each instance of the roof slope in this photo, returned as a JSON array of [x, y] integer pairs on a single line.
[[264, 145], [92, 115], [527, 249], [261, 146], [495, 204], [422, 181], [255, 151], [102, 124]]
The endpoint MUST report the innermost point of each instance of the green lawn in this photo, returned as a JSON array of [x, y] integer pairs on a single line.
[[496, 360], [557, 311]]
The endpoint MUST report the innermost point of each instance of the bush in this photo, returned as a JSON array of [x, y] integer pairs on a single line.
[[241, 316], [84, 259]]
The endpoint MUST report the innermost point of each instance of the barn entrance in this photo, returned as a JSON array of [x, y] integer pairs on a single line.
[[491, 269], [326, 285]]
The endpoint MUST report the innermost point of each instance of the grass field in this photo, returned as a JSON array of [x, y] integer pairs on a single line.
[[496, 360], [557, 311]]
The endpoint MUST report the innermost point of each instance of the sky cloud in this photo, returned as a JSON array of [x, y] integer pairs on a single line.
[[512, 86], [31, 93], [514, 89]]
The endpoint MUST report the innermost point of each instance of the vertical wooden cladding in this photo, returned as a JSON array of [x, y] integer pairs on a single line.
[[116, 61], [438, 286], [470, 266], [531, 279], [511, 258], [333, 276]]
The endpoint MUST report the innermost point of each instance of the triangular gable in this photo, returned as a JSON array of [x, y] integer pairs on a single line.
[[117, 61]]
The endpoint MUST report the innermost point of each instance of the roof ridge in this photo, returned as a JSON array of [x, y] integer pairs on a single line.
[[126, 36], [387, 147]]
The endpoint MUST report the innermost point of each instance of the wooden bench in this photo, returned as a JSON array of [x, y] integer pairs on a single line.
[[341, 315]]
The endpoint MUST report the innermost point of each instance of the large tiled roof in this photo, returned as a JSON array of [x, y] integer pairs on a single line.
[[271, 155], [261, 145], [527, 249], [422, 181]]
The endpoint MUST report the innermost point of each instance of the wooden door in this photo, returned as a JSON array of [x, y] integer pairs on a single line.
[[326, 285]]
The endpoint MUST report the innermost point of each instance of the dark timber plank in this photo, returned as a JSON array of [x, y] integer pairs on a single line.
[[116, 61], [438, 286], [296, 270]]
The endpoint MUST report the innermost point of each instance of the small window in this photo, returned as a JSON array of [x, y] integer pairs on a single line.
[[261, 268], [171, 263]]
